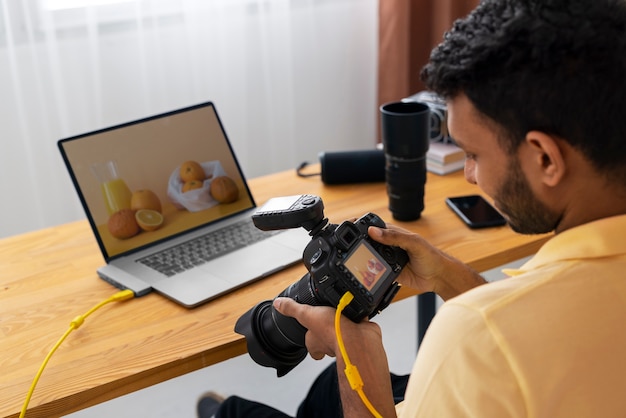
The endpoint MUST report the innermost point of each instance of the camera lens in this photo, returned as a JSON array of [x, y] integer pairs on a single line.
[[275, 340], [405, 186], [406, 129]]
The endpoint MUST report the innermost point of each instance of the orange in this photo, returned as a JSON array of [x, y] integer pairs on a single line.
[[224, 190], [191, 185], [145, 199], [122, 224], [149, 220], [191, 170]]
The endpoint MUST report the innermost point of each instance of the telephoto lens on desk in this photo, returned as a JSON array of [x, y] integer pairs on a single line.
[[406, 136]]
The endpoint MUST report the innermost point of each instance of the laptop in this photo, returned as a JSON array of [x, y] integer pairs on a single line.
[[164, 224]]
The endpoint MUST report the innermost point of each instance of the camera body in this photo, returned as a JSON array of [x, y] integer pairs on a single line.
[[346, 259], [339, 258]]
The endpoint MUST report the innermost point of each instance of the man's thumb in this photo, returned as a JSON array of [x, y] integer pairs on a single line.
[[283, 305]]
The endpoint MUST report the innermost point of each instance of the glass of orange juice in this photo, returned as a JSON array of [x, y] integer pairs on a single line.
[[115, 192]]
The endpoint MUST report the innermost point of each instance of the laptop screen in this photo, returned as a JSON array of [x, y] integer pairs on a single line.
[[145, 181]]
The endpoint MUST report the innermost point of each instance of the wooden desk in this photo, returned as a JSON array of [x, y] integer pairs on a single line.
[[48, 277]]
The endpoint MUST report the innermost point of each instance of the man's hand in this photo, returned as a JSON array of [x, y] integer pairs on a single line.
[[320, 340], [429, 269], [364, 345]]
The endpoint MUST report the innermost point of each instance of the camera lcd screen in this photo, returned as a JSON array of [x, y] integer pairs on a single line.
[[367, 266], [279, 203]]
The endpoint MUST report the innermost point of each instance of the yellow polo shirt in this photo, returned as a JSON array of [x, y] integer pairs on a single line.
[[550, 341]]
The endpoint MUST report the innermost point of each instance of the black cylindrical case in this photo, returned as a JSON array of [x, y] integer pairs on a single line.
[[343, 167]]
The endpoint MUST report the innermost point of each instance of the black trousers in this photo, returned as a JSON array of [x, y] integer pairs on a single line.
[[322, 401]]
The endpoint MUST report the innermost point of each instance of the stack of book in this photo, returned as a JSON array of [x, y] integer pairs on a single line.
[[443, 158]]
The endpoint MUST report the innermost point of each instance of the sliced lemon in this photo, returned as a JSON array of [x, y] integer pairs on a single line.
[[149, 219]]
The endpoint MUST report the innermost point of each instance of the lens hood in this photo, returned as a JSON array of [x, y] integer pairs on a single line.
[[261, 349]]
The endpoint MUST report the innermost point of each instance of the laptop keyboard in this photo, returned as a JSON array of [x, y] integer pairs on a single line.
[[205, 248]]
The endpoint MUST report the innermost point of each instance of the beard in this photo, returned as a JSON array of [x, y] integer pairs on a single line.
[[524, 212]]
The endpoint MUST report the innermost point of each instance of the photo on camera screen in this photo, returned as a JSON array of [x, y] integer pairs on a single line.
[[365, 264]]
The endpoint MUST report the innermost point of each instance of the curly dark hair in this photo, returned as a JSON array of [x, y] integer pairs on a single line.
[[558, 66]]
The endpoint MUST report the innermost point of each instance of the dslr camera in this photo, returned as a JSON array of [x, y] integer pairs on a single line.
[[339, 258]]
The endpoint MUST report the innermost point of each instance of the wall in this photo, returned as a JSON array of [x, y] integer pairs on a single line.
[[289, 78]]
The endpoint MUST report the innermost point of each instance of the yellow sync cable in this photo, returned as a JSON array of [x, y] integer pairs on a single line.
[[352, 373], [75, 324]]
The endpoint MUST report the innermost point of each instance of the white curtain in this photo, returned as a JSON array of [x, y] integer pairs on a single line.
[[290, 78]]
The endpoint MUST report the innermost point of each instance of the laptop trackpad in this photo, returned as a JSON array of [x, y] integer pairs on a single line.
[[185, 287]]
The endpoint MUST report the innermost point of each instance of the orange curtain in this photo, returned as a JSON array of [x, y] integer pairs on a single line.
[[408, 31]]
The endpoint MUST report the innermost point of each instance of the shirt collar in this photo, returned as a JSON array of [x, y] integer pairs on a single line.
[[602, 238]]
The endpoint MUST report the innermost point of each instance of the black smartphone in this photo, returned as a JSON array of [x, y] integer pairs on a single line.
[[475, 211]]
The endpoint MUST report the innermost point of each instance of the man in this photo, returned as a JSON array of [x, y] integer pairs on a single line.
[[536, 94]]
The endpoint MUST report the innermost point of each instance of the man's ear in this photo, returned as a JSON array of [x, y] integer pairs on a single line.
[[546, 156]]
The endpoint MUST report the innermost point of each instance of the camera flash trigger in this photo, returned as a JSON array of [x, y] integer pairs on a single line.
[[286, 212]]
